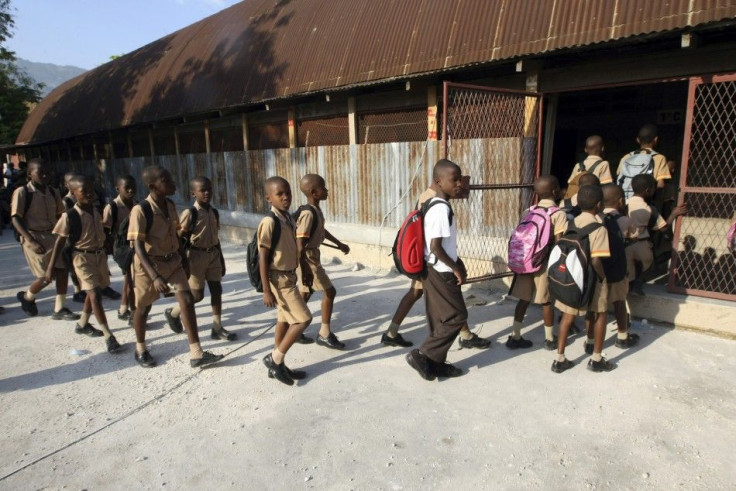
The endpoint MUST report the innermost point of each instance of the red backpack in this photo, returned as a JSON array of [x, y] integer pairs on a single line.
[[408, 249]]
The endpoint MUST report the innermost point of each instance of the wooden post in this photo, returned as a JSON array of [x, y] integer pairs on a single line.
[[112, 146], [151, 145], [130, 144], [352, 122], [176, 141], [432, 113], [244, 122], [207, 136], [292, 128]]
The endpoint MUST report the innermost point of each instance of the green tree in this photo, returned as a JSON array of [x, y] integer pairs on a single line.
[[17, 90]]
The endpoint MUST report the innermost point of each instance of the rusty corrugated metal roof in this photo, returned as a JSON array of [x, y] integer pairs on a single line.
[[260, 49]]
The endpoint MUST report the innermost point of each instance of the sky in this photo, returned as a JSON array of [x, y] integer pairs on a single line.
[[85, 33]]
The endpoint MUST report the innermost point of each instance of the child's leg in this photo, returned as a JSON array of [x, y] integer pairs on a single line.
[[548, 315], [288, 337], [599, 333], [218, 332], [86, 312], [590, 319], [328, 301], [407, 302], [622, 316], [62, 282], [94, 301], [279, 333], [189, 320], [126, 299], [566, 321], [139, 325]]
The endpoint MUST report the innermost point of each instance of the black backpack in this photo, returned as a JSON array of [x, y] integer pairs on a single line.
[[571, 276], [614, 266], [252, 261], [75, 233], [123, 253], [186, 237]]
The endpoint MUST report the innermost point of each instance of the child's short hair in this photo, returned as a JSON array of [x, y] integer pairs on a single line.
[[642, 182], [589, 179], [202, 180], [589, 196], [611, 194], [648, 133], [123, 180], [151, 173], [77, 181]]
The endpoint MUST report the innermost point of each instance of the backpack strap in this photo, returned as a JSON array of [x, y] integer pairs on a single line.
[[594, 166], [75, 227], [28, 198], [68, 202], [147, 214], [315, 217], [588, 229], [275, 237], [193, 222], [653, 218], [430, 203], [114, 213]]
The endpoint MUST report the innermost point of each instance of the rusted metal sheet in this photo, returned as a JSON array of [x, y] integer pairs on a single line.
[[260, 50]]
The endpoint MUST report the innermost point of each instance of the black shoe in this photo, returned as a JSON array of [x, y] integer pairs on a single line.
[[79, 296], [561, 366], [112, 344], [637, 288], [125, 316], [601, 366], [88, 330], [520, 343], [631, 340], [550, 345], [304, 339], [397, 341], [445, 369], [420, 363], [223, 334], [65, 315], [28, 306], [295, 374], [277, 371], [108, 292], [589, 348], [475, 342], [330, 341], [207, 359], [174, 322], [145, 359]]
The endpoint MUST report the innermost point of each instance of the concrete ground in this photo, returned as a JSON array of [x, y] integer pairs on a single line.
[[77, 417]]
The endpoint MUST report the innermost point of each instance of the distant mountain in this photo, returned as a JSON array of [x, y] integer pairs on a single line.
[[48, 74]]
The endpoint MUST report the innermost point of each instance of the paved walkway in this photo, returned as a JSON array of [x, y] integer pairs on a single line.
[[363, 419]]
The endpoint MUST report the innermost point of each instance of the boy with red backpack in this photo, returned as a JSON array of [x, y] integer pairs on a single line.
[[540, 227], [578, 280]]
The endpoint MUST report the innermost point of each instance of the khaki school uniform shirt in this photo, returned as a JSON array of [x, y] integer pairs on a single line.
[[161, 239], [598, 239], [640, 213], [123, 212], [558, 218], [205, 233], [304, 226], [284, 253], [623, 222], [661, 171], [44, 211], [602, 170], [92, 237]]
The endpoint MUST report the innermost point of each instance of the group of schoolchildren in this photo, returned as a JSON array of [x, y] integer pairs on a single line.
[[161, 252]]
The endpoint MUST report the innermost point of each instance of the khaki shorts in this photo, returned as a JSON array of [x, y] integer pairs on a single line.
[[292, 308], [532, 287], [618, 291], [203, 267], [171, 271], [599, 302], [640, 251], [38, 262], [91, 270], [321, 280]]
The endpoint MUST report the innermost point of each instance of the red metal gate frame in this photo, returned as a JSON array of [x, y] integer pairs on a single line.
[[482, 187], [684, 188]]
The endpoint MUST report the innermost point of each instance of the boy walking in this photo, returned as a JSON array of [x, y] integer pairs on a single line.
[[35, 208], [160, 265], [82, 225], [594, 163], [112, 216], [444, 302], [310, 233], [277, 265], [643, 161], [534, 287], [200, 227], [590, 199]]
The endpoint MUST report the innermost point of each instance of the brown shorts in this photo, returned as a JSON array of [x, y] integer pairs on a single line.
[[640, 251], [38, 262], [91, 269], [599, 302], [321, 280], [532, 287], [292, 308], [618, 291], [171, 271], [203, 267]]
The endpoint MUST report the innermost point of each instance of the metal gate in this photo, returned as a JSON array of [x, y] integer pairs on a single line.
[[495, 137], [701, 264]]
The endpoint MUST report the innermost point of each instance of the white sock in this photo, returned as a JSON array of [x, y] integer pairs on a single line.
[[84, 318], [29, 296], [59, 302], [393, 330], [549, 333], [176, 312], [324, 330], [105, 330], [216, 322], [517, 330], [278, 357]]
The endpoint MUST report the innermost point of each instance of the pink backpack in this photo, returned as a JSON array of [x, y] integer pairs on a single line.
[[530, 243], [731, 238]]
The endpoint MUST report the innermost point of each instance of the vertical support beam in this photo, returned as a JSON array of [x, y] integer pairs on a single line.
[[550, 125], [68, 151], [130, 143], [244, 123], [352, 121], [432, 113], [292, 128], [176, 142], [207, 147], [151, 145], [112, 146], [81, 149], [95, 153]]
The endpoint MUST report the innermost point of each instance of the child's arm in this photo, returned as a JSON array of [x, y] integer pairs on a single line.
[[269, 300], [435, 247], [58, 245], [598, 268], [676, 212], [343, 247], [307, 276], [159, 283]]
